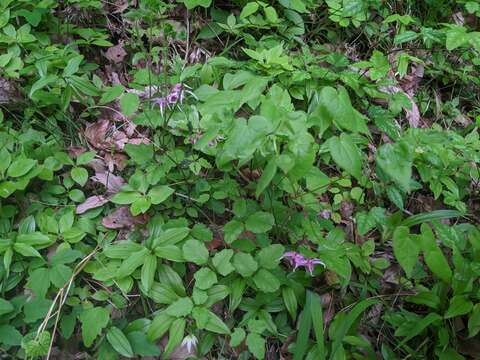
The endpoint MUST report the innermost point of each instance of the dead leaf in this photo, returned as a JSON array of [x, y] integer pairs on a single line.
[[115, 160], [91, 203], [122, 217], [75, 151], [113, 183], [96, 133], [413, 115], [116, 53]]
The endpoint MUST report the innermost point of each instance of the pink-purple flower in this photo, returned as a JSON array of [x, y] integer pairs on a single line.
[[297, 260], [175, 95]]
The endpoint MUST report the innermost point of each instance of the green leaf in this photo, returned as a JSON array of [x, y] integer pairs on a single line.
[[205, 278], [149, 268], [93, 321], [126, 197], [170, 252], [79, 175], [140, 153], [346, 154], [119, 342], [26, 250], [419, 326], [456, 37], [290, 301], [72, 66], [395, 160], [303, 334], [270, 255], [20, 167], [249, 9], [5, 307], [433, 256], [41, 83], [111, 94], [10, 336], [256, 345], [267, 176], [190, 4], [232, 230], [172, 236], [140, 206], [459, 305], [129, 103], [266, 281], [175, 336], [86, 157], [430, 216], [317, 322], [221, 261], [159, 326], [346, 324], [260, 222], [130, 264], [159, 194], [271, 14], [195, 251], [405, 249], [244, 264], [216, 325], [181, 307], [141, 345], [473, 321], [238, 335]]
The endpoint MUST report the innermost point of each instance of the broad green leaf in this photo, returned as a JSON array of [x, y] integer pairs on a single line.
[[232, 230], [159, 326], [190, 4], [345, 326], [195, 251], [270, 255], [395, 160], [346, 154], [473, 321], [260, 222], [433, 256], [26, 250], [125, 198], [119, 342], [181, 307], [244, 264], [419, 326], [79, 175], [171, 236], [129, 103], [10, 336], [20, 167], [256, 345], [41, 83], [170, 252], [430, 216], [5, 307], [405, 249], [249, 9], [160, 193], [222, 263], [238, 335], [141, 345], [130, 264], [93, 321], [266, 281], [317, 322], [140, 206], [459, 305], [290, 301], [205, 278], [267, 176], [149, 268], [216, 325], [175, 336]]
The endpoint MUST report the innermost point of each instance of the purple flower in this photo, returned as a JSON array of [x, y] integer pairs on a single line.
[[177, 88], [160, 101], [296, 260], [172, 98]]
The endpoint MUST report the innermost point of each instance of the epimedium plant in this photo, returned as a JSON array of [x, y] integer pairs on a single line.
[[290, 193]]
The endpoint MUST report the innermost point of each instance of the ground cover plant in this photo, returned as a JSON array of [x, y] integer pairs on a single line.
[[291, 179]]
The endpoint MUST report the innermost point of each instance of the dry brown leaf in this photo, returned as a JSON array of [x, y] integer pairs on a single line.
[[116, 53], [115, 160], [91, 203], [113, 183], [96, 133], [74, 151], [122, 217]]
